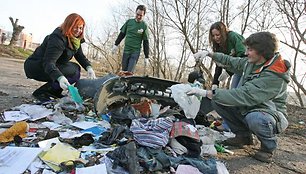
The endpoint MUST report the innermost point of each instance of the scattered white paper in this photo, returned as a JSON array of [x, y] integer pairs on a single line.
[[36, 112], [51, 125], [45, 171], [46, 144], [101, 168], [27, 111], [15, 160], [18, 108], [36, 165], [68, 134], [93, 149], [15, 116], [84, 124]]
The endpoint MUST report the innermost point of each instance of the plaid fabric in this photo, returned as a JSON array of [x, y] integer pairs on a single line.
[[151, 133], [181, 128]]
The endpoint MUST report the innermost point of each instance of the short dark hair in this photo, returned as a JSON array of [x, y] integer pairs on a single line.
[[196, 75], [265, 43], [142, 8]]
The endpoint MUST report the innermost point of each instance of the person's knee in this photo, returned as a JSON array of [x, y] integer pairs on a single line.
[[218, 107], [214, 105], [259, 123], [75, 66], [70, 69]]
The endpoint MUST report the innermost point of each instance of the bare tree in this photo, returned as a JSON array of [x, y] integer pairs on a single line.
[[157, 39], [294, 26], [16, 31], [189, 20]]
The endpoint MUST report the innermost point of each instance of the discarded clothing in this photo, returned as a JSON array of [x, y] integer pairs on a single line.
[[181, 128], [109, 167], [123, 115], [207, 166], [125, 156], [113, 136], [177, 147], [151, 133], [193, 146], [77, 142], [152, 159]]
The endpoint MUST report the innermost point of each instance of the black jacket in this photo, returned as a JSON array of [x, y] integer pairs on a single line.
[[55, 50]]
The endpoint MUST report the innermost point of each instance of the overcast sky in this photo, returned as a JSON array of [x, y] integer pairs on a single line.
[[41, 17]]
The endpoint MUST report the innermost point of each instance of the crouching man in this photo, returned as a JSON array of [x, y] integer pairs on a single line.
[[258, 105]]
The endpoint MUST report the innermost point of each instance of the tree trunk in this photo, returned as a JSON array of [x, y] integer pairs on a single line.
[[16, 31]]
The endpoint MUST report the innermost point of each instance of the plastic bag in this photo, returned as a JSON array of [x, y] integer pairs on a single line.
[[189, 103]]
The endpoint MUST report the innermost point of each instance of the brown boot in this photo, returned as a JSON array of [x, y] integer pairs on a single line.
[[239, 141], [264, 156]]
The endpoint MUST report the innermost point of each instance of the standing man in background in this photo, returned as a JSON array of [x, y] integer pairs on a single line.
[[135, 31]]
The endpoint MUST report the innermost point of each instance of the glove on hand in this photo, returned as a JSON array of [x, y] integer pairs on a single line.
[[197, 91], [213, 87], [114, 49], [199, 56], [63, 82], [223, 76], [90, 73]]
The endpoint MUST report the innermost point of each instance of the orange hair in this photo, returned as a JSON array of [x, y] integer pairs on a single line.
[[71, 21]]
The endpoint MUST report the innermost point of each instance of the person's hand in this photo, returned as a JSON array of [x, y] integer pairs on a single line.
[[199, 56], [63, 82], [223, 76], [114, 49], [214, 86], [197, 91], [90, 73]]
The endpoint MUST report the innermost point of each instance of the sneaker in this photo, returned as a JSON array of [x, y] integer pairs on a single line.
[[239, 141], [263, 156]]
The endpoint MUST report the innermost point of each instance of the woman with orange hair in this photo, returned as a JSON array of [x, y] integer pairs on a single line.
[[50, 62]]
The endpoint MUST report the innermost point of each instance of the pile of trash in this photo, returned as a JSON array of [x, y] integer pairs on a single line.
[[68, 136]]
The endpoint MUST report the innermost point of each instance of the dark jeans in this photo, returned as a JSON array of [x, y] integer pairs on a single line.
[[129, 61], [34, 70]]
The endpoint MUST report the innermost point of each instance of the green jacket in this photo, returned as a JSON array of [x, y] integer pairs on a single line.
[[261, 87], [234, 44], [234, 47], [135, 33]]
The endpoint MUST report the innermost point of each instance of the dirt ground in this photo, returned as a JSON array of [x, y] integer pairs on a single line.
[[290, 157]]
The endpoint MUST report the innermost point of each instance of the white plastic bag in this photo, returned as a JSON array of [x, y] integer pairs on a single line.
[[189, 103]]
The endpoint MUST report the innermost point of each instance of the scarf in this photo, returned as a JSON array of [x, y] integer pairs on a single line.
[[76, 42]]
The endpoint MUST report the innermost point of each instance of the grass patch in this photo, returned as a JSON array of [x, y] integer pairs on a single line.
[[15, 52], [25, 53]]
